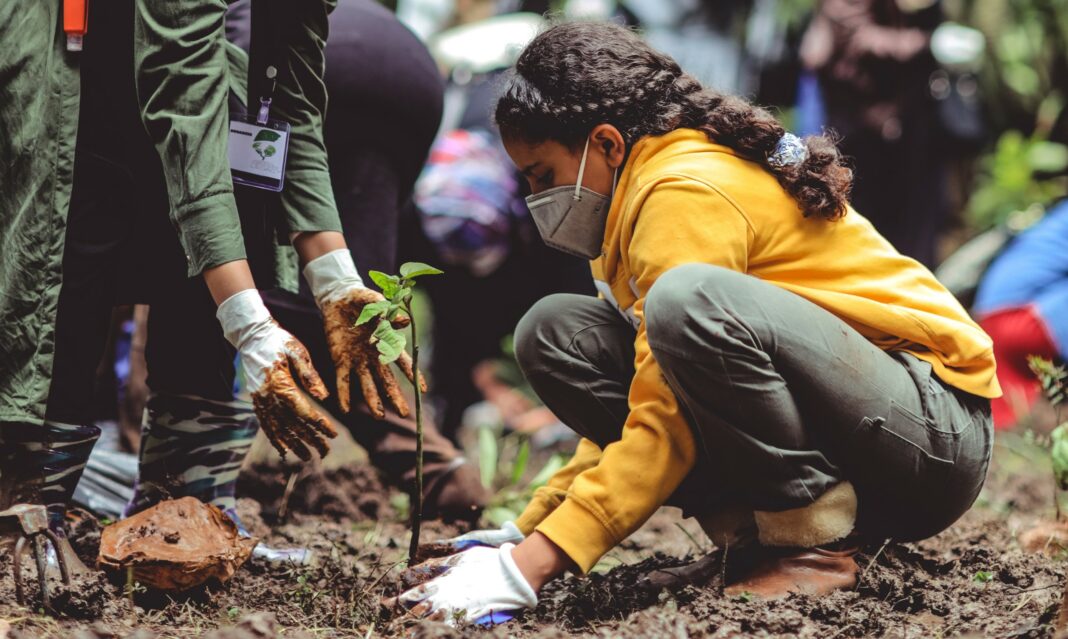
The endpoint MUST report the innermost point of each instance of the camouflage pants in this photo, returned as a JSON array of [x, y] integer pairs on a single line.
[[42, 465], [192, 447]]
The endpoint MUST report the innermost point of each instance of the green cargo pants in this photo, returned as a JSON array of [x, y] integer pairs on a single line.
[[785, 400]]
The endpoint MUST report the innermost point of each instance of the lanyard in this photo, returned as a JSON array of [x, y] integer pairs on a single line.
[[264, 57], [75, 22]]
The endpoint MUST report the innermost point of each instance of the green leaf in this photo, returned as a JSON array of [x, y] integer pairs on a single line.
[[1049, 157], [403, 294], [389, 341], [373, 310], [522, 456], [555, 463], [983, 576], [1059, 454], [412, 270], [267, 135], [388, 283], [487, 455]]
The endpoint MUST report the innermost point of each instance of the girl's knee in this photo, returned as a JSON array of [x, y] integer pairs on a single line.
[[688, 292], [538, 334]]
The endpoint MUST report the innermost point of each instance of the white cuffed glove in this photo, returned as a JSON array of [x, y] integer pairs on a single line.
[[482, 586], [270, 356], [508, 533], [341, 296]]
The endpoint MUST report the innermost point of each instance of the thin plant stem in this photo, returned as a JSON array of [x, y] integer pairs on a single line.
[[1056, 501], [417, 502]]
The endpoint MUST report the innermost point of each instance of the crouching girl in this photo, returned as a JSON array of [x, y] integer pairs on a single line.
[[759, 355]]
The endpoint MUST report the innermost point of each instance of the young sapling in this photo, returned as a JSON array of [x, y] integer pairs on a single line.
[[390, 342]]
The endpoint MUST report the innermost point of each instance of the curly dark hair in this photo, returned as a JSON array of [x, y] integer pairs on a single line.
[[575, 76]]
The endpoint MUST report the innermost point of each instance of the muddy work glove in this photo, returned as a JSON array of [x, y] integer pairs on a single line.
[[341, 296], [270, 357], [482, 586]]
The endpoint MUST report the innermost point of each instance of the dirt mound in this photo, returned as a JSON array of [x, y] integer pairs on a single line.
[[349, 493]]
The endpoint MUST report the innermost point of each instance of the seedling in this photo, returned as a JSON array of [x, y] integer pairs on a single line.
[[1054, 381], [390, 342], [983, 576]]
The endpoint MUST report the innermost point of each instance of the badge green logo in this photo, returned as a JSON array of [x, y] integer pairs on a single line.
[[261, 144]]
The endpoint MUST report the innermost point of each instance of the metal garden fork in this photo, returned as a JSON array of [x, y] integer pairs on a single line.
[[30, 523]]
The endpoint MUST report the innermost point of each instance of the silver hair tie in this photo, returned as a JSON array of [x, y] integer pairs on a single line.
[[790, 150]]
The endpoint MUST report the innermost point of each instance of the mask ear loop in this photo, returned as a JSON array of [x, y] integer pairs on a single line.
[[582, 170]]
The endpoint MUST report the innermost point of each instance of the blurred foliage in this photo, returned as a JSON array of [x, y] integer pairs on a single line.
[[1007, 180], [504, 463], [1024, 80]]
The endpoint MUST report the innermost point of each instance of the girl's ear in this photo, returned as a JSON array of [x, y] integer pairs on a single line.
[[609, 140]]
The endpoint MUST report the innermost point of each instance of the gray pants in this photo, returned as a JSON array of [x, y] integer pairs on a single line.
[[785, 400]]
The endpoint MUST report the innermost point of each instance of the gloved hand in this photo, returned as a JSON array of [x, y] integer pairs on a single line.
[[493, 538], [341, 296], [269, 357], [482, 586]]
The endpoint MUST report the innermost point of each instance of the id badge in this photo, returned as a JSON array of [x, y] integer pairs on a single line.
[[258, 152]]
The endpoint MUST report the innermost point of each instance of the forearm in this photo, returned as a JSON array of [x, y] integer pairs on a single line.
[[316, 244], [227, 279], [540, 560]]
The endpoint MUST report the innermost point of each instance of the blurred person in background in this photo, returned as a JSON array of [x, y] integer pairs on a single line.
[[873, 62], [1022, 302]]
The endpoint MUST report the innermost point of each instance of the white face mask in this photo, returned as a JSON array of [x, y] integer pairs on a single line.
[[572, 218]]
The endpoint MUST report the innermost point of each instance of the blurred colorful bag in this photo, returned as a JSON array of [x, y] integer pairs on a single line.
[[468, 199]]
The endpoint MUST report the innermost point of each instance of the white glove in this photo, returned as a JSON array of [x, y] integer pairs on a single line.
[[481, 586], [269, 357], [332, 275], [494, 538], [341, 296]]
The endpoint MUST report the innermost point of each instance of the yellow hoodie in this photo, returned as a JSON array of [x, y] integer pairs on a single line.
[[683, 199]]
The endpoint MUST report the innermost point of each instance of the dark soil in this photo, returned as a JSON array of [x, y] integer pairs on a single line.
[[349, 493], [971, 580]]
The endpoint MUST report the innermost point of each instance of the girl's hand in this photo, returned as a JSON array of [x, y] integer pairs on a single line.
[[270, 357], [341, 297], [481, 586]]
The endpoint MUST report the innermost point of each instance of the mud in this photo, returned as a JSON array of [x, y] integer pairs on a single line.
[[972, 580], [349, 493]]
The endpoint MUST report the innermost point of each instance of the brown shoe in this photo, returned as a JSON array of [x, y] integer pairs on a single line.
[[810, 571]]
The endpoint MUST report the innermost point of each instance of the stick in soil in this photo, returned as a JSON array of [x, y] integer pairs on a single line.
[[283, 508]]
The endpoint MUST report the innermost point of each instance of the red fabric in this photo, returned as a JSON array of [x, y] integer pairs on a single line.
[[1017, 333]]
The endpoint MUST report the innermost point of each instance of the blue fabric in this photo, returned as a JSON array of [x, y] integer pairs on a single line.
[[496, 617], [1033, 271], [811, 113]]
